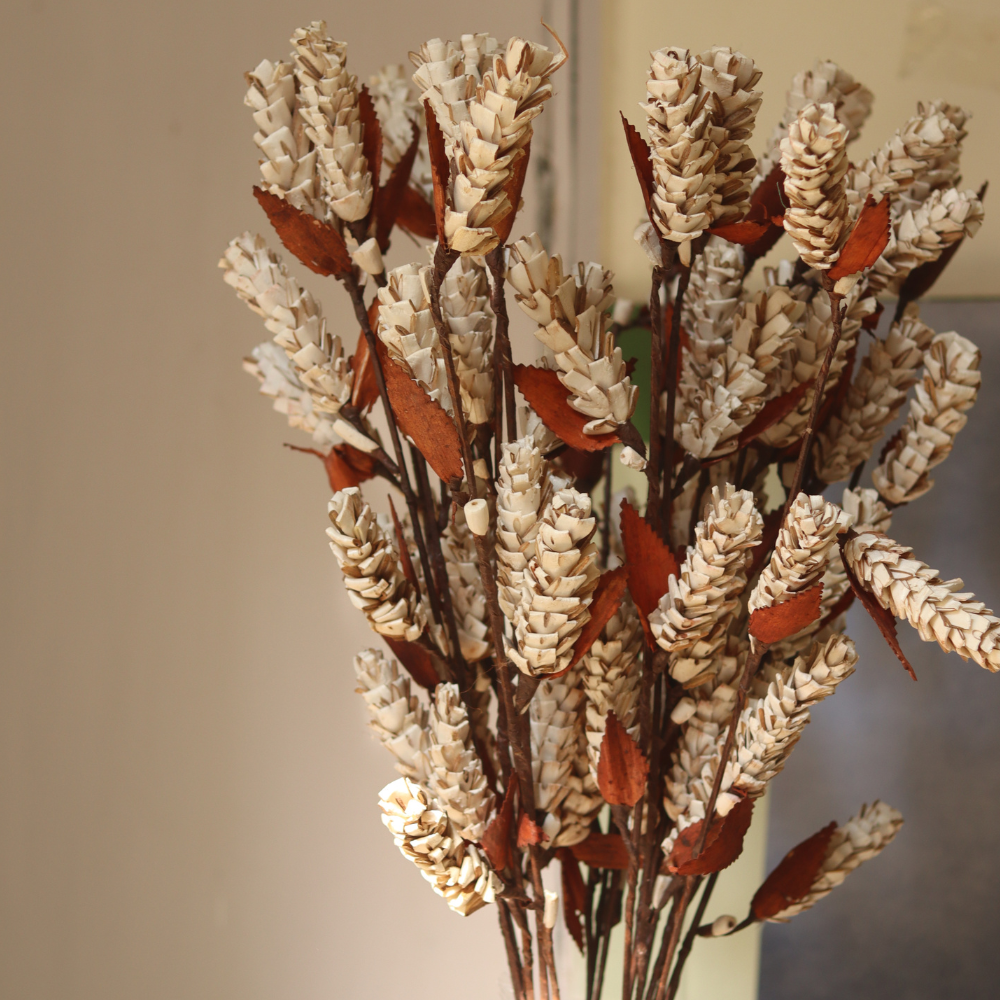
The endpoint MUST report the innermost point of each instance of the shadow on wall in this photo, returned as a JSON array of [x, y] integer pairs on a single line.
[[922, 920]]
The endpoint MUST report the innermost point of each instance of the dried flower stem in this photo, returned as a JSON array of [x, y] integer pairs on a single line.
[[699, 914], [655, 391], [673, 355], [674, 928], [513, 959], [498, 300]]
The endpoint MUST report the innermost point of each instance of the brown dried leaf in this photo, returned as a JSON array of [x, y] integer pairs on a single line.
[[364, 391], [529, 832], [650, 562], [622, 769], [319, 246], [586, 467], [639, 151], [548, 397], [870, 322], [766, 203], [390, 198], [439, 167], [774, 410], [513, 188], [762, 552], [371, 147], [722, 847], [422, 420], [602, 850], [606, 600], [794, 876], [745, 232], [496, 839], [882, 617], [419, 660], [345, 465], [574, 894], [404, 552], [782, 620], [416, 216], [868, 239]]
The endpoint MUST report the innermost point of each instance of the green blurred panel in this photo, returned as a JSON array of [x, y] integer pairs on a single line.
[[635, 343]]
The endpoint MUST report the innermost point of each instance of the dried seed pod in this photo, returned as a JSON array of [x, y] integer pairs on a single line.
[[288, 169], [694, 615], [458, 546], [724, 383], [457, 871], [910, 589], [295, 319], [571, 313], [874, 399], [825, 83], [371, 568], [860, 839], [700, 112], [328, 106], [270, 365], [610, 672], [455, 772], [801, 551], [937, 413], [558, 581], [814, 159], [714, 288], [398, 717]]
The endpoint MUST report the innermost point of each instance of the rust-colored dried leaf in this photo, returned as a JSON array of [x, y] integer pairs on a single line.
[[529, 832], [586, 467], [639, 150], [390, 198], [782, 620], [602, 850], [513, 188], [574, 894], [418, 660], [794, 876], [371, 146], [623, 768], [722, 847], [773, 411], [422, 420], [745, 232], [766, 203], [345, 465], [606, 601], [883, 618], [868, 239], [364, 390], [439, 167], [548, 398], [404, 552], [650, 562], [319, 246], [416, 216], [496, 839]]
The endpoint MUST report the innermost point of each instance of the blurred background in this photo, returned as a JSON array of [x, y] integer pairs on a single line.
[[187, 791]]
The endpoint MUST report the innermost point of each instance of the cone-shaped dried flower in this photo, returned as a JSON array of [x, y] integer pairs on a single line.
[[294, 317], [693, 616], [371, 568], [288, 169], [910, 589], [458, 546], [465, 307], [557, 586], [611, 678], [328, 105], [713, 292], [522, 484], [455, 771], [860, 839], [814, 159], [724, 383], [558, 753], [271, 366], [398, 717], [825, 83], [700, 112], [937, 413], [801, 551], [866, 510], [570, 311], [876, 395], [398, 108], [457, 871]]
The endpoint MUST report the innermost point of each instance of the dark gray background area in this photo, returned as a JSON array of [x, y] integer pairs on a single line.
[[922, 919]]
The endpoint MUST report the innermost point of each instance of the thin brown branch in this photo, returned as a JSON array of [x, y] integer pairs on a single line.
[[510, 943], [656, 341], [676, 925], [699, 914], [498, 300], [673, 359]]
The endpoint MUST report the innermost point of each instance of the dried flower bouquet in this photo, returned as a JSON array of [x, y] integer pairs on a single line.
[[610, 691]]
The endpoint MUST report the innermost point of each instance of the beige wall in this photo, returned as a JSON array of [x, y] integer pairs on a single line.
[[904, 51], [187, 792]]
